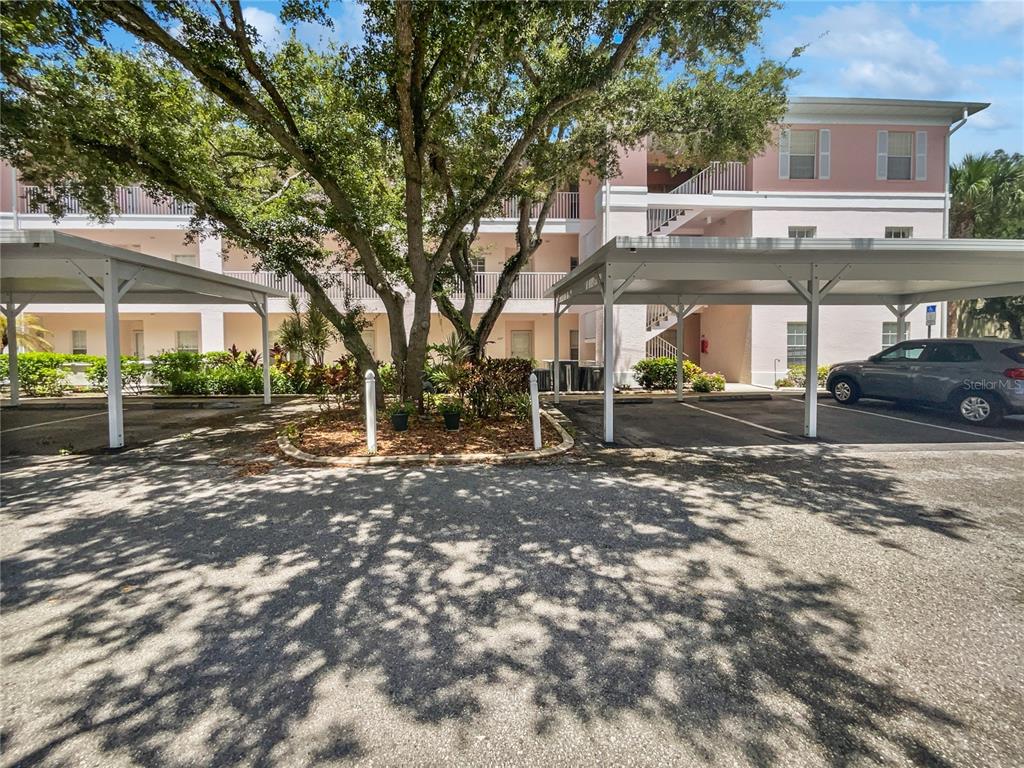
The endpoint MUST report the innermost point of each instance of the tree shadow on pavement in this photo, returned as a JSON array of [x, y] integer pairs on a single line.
[[154, 609]]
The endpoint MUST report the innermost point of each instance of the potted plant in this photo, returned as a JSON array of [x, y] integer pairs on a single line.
[[451, 410], [399, 414]]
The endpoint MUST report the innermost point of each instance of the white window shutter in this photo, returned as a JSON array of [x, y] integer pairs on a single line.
[[921, 156], [824, 153], [882, 159], [784, 154]]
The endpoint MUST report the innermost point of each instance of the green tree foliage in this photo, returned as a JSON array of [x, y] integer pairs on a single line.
[[32, 335], [987, 193], [305, 334], [381, 155]]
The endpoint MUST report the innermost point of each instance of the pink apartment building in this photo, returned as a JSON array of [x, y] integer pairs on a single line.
[[867, 168]]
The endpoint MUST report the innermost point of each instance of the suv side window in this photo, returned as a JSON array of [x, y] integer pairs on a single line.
[[910, 350], [952, 352]]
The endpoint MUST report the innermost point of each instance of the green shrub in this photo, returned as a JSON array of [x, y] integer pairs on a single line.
[[656, 372], [708, 382], [133, 373], [233, 379], [492, 384], [796, 376], [43, 382]]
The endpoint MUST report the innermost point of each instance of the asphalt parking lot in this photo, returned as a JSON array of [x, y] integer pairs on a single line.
[[79, 425], [664, 423]]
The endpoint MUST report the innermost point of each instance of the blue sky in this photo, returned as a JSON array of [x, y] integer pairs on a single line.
[[947, 49]]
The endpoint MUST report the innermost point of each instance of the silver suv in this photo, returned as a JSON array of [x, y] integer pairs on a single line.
[[980, 379]]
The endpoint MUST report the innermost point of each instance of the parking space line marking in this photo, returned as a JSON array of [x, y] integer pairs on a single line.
[[55, 421], [741, 421], [921, 423]]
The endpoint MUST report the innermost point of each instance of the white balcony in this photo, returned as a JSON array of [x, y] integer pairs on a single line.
[[529, 286], [129, 201], [565, 206]]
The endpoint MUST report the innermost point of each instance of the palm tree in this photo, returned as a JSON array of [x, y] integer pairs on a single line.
[[305, 334], [987, 193], [31, 334]]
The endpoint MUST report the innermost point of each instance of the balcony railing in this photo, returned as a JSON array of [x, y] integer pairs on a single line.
[[528, 285], [345, 284], [717, 177], [129, 201], [565, 206]]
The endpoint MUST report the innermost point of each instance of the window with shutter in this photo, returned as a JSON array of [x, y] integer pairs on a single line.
[[803, 151], [901, 152]]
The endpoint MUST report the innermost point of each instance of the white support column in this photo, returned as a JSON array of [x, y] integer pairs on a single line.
[[811, 384], [11, 312], [901, 323], [265, 338], [112, 325], [609, 356], [680, 316], [556, 365]]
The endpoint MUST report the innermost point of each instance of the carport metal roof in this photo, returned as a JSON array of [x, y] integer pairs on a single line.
[[745, 270], [682, 272], [46, 266]]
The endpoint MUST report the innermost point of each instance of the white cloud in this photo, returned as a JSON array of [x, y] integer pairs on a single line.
[[347, 27], [266, 24], [990, 16], [875, 53]]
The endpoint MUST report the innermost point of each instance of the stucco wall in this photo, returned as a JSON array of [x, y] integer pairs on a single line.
[[727, 329], [159, 330], [845, 223], [853, 162]]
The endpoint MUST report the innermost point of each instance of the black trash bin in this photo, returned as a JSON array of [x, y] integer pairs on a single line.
[[590, 378]]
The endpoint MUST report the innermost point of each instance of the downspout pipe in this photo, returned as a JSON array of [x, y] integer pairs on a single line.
[[945, 211]]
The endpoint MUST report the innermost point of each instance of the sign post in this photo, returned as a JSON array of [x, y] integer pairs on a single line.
[[930, 316]]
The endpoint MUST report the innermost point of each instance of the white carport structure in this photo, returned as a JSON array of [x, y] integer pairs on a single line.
[[682, 272], [49, 267]]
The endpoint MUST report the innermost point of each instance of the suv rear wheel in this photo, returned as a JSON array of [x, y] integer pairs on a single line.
[[845, 390], [979, 408]]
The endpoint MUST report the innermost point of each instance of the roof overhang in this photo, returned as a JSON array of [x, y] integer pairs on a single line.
[[834, 109], [714, 270], [46, 266]]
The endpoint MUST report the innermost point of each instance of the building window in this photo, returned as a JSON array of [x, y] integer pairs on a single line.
[[889, 334], [478, 263], [574, 345], [79, 345], [803, 231], [574, 261], [187, 341], [186, 259], [899, 233], [796, 344], [803, 152], [901, 153]]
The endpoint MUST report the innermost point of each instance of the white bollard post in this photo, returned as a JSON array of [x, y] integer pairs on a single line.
[[535, 410], [370, 395]]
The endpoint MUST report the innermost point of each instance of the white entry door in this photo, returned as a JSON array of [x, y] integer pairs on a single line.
[[522, 344]]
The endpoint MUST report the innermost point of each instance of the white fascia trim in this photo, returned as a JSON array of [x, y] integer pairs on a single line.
[[826, 121], [79, 221], [551, 226], [773, 200]]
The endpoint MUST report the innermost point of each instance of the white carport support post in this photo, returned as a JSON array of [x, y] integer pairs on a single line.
[[811, 383], [680, 316], [112, 328], [556, 364], [609, 355], [265, 331], [11, 312]]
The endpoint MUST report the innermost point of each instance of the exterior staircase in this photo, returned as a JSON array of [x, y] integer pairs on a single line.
[[727, 176]]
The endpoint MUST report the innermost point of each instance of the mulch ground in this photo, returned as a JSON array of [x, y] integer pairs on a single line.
[[344, 434]]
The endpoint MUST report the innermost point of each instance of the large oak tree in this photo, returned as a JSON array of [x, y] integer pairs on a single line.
[[383, 155]]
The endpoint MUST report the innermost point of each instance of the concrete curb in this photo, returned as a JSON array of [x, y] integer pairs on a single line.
[[289, 449]]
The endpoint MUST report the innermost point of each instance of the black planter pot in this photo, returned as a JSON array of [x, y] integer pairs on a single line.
[[451, 421], [400, 421]]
